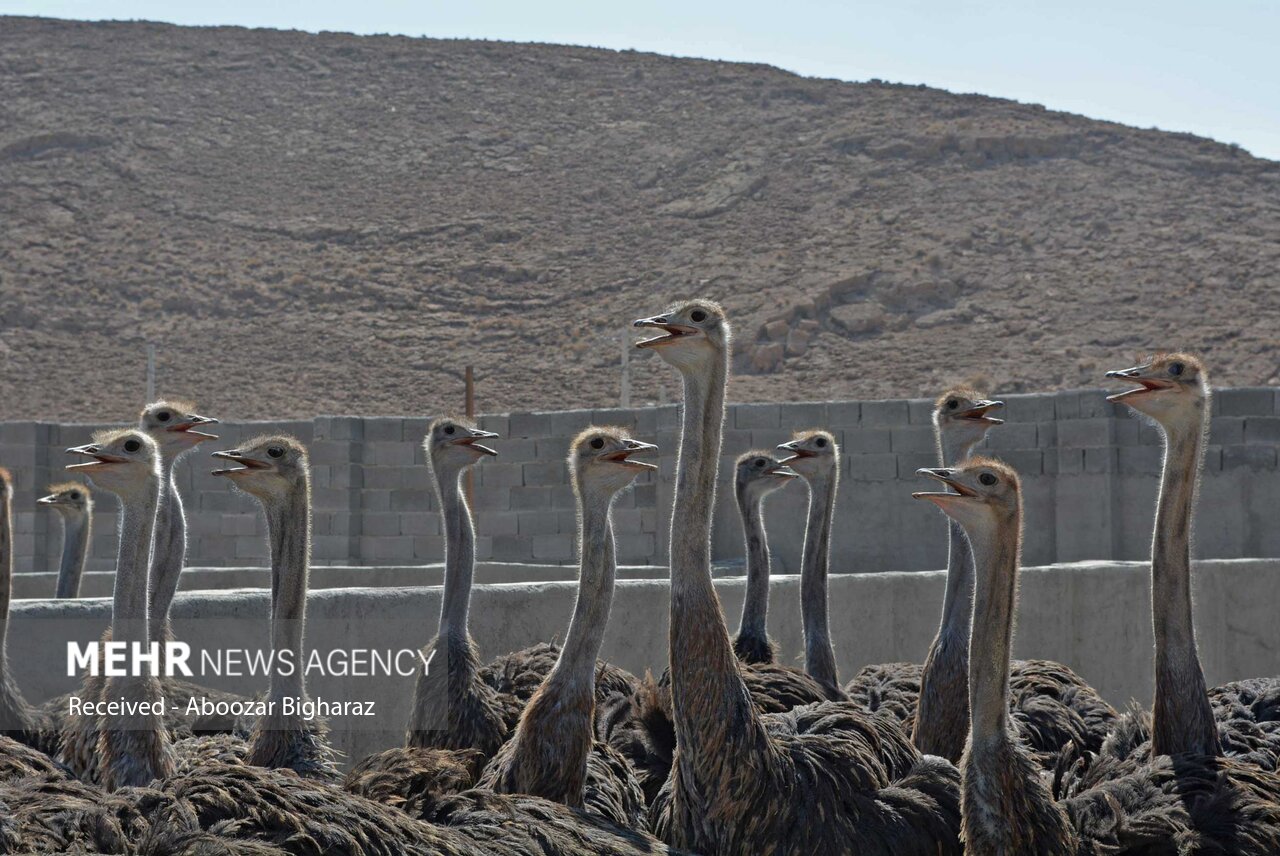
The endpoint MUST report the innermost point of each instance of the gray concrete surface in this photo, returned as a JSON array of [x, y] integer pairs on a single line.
[[1093, 616], [1090, 470]]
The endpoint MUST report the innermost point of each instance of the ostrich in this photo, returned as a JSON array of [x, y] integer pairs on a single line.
[[1052, 706], [822, 778], [18, 720], [128, 748], [553, 752], [74, 504], [1238, 719], [275, 471], [1161, 807], [756, 475]]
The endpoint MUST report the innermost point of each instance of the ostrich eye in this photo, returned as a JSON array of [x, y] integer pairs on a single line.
[[275, 452], [132, 445], [759, 463], [987, 479], [597, 443], [75, 494], [163, 416], [952, 404], [698, 316], [449, 429], [1176, 369], [821, 442]]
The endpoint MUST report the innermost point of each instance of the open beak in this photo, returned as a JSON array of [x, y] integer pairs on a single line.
[[947, 477], [51, 499], [979, 411], [783, 472], [188, 425], [100, 458], [797, 452], [246, 463], [671, 331], [1137, 375], [623, 456], [470, 442]]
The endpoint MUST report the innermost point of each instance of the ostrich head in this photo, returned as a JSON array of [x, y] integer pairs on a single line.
[[452, 443], [172, 424], [813, 454], [695, 335], [1173, 389], [987, 494], [600, 461], [756, 475], [268, 468], [963, 417], [121, 461], [70, 499]]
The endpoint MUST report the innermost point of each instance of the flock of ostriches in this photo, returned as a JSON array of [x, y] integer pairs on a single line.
[[551, 751]]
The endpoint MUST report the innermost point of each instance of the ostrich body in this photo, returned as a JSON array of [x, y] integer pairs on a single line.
[[74, 504], [18, 720], [823, 778], [1161, 807], [275, 471], [756, 475], [554, 752]]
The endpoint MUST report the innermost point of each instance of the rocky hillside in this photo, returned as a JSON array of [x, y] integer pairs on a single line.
[[332, 223]]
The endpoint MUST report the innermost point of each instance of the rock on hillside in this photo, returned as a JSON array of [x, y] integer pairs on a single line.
[[332, 223]]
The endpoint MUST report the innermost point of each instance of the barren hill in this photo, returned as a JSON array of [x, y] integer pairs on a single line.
[[332, 223]]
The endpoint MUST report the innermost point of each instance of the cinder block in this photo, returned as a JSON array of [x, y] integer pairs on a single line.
[[1094, 404], [526, 425], [1070, 461], [1249, 457], [498, 423], [1031, 407], [531, 497], [1262, 429], [493, 499], [379, 525], [555, 548], [430, 548], [1066, 405], [1046, 434], [499, 523], [419, 500], [646, 495], [550, 473], [873, 467], [374, 500], [636, 548], [1099, 460], [1013, 435], [424, 523], [857, 440], [884, 414], [239, 524], [515, 451], [324, 452], [750, 416], [21, 433], [1226, 430], [551, 449], [383, 428], [909, 462], [538, 523], [251, 547], [1245, 401], [627, 520], [668, 417], [502, 475], [844, 414], [382, 478], [397, 548], [566, 424], [511, 548], [1085, 433], [914, 438], [1139, 460], [389, 454], [920, 411], [327, 548]]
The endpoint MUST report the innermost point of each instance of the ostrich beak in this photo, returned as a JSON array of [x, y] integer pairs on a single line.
[[796, 450], [235, 455], [100, 458], [623, 456], [1137, 375], [979, 411], [672, 330], [187, 426], [943, 498], [470, 442]]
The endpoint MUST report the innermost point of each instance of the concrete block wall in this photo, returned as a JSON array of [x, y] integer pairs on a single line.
[[1090, 471]]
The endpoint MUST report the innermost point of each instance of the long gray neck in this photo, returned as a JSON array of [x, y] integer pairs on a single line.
[[170, 551], [459, 553], [958, 600], [574, 672], [1182, 719], [819, 656], [996, 553], [289, 528], [77, 528], [6, 580], [755, 608], [133, 565]]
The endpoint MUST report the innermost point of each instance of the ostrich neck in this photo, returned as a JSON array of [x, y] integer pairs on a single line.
[[459, 555], [707, 689], [958, 599], [170, 550], [819, 656], [990, 644], [76, 530], [575, 670], [1182, 720], [6, 582], [289, 527], [133, 564], [755, 608]]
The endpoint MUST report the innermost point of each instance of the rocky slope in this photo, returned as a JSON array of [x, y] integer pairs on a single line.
[[331, 223]]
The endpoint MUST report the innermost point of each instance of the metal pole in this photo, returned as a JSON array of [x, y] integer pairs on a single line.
[[626, 368], [469, 407], [151, 373]]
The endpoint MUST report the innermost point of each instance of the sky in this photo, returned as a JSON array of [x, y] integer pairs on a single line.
[[1181, 65]]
